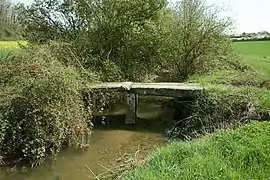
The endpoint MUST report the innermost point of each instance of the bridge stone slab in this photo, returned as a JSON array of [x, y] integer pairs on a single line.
[[178, 90]]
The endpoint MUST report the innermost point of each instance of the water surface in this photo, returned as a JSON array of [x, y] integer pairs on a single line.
[[107, 144]]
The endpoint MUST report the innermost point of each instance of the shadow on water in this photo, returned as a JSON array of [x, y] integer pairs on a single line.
[[110, 140]]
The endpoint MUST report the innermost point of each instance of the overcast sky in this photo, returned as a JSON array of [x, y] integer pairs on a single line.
[[249, 15]]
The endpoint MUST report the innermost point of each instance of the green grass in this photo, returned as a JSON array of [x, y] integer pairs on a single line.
[[255, 54], [253, 48], [239, 154], [8, 46], [260, 64]]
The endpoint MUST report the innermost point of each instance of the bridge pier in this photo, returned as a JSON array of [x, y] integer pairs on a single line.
[[131, 114]]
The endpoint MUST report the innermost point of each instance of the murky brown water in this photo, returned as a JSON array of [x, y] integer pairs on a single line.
[[107, 145]]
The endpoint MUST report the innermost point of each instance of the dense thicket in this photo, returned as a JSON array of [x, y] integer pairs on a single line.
[[132, 40], [41, 107]]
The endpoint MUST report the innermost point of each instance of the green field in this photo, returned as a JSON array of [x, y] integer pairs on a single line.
[[7, 45], [256, 54], [253, 48]]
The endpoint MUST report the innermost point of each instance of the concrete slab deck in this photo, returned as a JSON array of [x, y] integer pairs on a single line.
[[178, 90], [131, 85]]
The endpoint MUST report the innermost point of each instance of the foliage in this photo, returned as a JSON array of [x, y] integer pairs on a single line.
[[116, 40], [196, 39], [9, 27], [220, 107], [133, 40], [239, 154], [41, 107], [104, 34]]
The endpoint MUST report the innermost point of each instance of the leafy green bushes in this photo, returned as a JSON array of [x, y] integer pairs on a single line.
[[194, 40], [221, 107], [41, 107], [133, 40], [239, 154], [118, 38]]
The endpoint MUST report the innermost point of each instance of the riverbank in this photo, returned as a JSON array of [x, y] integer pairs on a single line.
[[239, 154], [113, 147]]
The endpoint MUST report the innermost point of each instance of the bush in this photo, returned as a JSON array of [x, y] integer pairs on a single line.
[[220, 108], [195, 42], [41, 107], [119, 34], [133, 40]]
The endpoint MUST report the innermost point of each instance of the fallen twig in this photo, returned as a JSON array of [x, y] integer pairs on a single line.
[[95, 176]]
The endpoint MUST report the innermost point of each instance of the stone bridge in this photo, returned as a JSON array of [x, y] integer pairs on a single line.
[[177, 90]]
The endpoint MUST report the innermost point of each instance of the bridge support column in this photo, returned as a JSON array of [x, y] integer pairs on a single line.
[[131, 114]]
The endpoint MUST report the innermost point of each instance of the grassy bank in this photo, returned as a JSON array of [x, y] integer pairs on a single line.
[[234, 95], [254, 74], [238, 154], [254, 67]]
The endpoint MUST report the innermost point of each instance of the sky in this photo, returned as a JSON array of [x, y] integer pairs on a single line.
[[249, 15]]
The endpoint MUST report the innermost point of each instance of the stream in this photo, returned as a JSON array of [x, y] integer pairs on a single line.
[[107, 145]]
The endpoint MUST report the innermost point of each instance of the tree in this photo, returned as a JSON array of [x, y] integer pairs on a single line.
[[120, 33], [8, 20], [197, 37], [127, 39]]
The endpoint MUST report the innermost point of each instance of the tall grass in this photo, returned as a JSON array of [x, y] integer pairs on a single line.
[[238, 154]]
